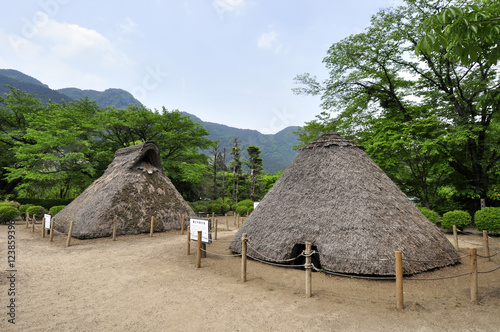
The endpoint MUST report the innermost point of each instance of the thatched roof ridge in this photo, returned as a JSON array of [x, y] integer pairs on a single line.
[[331, 139], [337, 198], [133, 189]]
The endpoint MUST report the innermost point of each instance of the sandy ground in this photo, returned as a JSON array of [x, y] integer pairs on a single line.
[[140, 283]]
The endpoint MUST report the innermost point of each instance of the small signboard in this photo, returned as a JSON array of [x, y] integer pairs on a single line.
[[483, 203], [47, 218], [202, 225]]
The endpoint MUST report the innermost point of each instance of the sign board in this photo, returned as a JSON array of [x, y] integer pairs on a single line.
[[47, 218], [483, 203], [255, 204], [202, 225]]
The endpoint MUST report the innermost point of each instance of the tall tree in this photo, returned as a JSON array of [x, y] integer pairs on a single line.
[[255, 165], [376, 77], [215, 155], [236, 166]]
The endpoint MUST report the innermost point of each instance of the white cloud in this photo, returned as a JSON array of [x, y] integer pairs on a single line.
[[267, 39], [228, 6], [128, 25]]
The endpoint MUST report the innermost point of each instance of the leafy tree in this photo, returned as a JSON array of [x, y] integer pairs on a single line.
[[377, 81], [236, 166], [255, 164]]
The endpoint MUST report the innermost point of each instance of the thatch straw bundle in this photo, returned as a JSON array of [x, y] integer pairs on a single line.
[[334, 196], [133, 189]]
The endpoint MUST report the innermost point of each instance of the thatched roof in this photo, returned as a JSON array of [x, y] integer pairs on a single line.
[[133, 188], [334, 196]]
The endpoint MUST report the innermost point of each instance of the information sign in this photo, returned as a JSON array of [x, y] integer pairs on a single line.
[[202, 225], [47, 218]]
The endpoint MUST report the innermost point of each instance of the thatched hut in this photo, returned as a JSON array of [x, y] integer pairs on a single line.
[[133, 189], [334, 196]]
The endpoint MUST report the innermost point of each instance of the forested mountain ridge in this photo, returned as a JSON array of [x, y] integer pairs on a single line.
[[276, 150], [110, 97]]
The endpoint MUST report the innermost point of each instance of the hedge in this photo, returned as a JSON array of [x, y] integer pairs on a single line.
[[429, 214], [488, 219], [8, 213], [458, 218]]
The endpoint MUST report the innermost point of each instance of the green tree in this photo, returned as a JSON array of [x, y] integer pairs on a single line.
[[236, 167], [255, 164], [376, 79]]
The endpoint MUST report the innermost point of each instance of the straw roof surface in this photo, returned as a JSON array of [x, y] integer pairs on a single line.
[[334, 196], [133, 189]]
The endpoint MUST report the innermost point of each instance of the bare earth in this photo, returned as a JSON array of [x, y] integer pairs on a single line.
[[140, 283]]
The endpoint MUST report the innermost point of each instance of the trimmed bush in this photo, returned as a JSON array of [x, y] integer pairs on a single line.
[[55, 209], [458, 218], [247, 202], [37, 210], [8, 213], [241, 210], [429, 214], [214, 207], [24, 208], [250, 210], [11, 203], [488, 219]]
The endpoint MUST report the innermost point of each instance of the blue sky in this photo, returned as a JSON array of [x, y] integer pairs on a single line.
[[225, 61]]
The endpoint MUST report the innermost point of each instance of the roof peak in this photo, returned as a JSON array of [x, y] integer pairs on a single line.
[[331, 139]]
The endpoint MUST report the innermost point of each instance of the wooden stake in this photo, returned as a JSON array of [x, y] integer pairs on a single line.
[[52, 221], [486, 246], [69, 233], [455, 237], [307, 267], [203, 250], [152, 226], [43, 227], [114, 229], [198, 251], [399, 280], [27, 219], [244, 257], [188, 244], [238, 221], [182, 224], [215, 228], [33, 220], [473, 275], [227, 223]]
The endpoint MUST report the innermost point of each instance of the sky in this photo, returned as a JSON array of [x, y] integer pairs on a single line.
[[226, 61]]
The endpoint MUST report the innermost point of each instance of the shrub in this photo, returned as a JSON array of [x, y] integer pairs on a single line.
[[56, 209], [24, 208], [214, 207], [10, 203], [458, 218], [247, 202], [429, 214], [250, 210], [8, 213], [488, 219], [36, 210], [241, 210]]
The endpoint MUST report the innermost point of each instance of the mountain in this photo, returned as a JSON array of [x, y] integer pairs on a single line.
[[111, 97], [276, 150], [29, 84]]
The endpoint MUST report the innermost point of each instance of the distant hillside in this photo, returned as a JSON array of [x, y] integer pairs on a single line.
[[276, 150], [111, 97], [26, 83]]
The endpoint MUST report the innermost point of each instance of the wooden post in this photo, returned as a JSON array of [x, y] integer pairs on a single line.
[[227, 223], [215, 229], [198, 251], [152, 226], [33, 220], [455, 237], [244, 257], [27, 219], [486, 246], [114, 229], [188, 244], [52, 221], [399, 280], [69, 233], [473, 275], [238, 220], [182, 224], [203, 250], [307, 267], [43, 227]]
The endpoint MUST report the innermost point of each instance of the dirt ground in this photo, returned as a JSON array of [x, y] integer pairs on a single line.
[[139, 283]]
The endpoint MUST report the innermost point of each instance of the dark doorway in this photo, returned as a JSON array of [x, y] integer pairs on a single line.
[[301, 260]]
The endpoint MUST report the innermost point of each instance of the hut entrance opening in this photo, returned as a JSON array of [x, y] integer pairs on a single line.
[[298, 249]]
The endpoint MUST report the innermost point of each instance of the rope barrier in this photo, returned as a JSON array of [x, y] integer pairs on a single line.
[[439, 278], [350, 275], [215, 254], [498, 268], [275, 264], [272, 259]]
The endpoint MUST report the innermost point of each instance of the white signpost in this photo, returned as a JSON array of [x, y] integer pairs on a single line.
[[202, 225], [47, 218]]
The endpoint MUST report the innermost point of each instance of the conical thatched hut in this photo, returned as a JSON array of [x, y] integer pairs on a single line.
[[334, 196], [133, 189]]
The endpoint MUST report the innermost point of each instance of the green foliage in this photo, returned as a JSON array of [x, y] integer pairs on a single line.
[[23, 208], [241, 210], [10, 203], [429, 214], [458, 218], [250, 210], [56, 209], [488, 219], [248, 203], [36, 210], [46, 203], [8, 212]]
